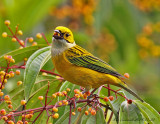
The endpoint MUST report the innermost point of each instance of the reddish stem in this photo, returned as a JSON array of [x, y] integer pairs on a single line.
[[23, 67], [116, 92], [45, 39], [5, 74], [70, 113]]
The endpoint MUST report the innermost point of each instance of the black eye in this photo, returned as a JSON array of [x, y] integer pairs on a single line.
[[67, 35]]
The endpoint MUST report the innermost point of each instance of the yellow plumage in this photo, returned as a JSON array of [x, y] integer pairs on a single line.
[[79, 75], [80, 67]]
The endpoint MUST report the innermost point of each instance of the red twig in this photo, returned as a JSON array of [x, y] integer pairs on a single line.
[[110, 118], [70, 113], [2, 82], [23, 67], [45, 39], [116, 92]]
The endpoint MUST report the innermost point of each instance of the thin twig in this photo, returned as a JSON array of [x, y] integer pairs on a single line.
[[45, 39], [70, 113]]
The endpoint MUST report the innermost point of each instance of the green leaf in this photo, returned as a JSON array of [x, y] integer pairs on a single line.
[[33, 66], [34, 102], [149, 113], [130, 114], [20, 54], [115, 104]]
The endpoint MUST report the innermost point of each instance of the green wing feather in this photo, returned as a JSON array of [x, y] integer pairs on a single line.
[[80, 57]]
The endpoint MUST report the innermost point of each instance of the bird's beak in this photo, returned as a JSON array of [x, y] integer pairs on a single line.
[[57, 34]]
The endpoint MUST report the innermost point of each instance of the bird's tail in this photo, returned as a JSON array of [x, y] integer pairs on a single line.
[[125, 87]]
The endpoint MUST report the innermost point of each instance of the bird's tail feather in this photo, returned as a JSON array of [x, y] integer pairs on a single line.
[[125, 87]]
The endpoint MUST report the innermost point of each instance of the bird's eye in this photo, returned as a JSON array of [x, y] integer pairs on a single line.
[[67, 35]]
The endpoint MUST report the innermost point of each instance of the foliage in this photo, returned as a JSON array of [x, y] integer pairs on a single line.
[[127, 31]]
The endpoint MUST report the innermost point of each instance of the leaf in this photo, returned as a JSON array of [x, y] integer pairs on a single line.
[[130, 114], [33, 66], [34, 102], [20, 54], [115, 104], [149, 113]]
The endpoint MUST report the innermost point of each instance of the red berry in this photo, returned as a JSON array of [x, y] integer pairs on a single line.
[[93, 112], [129, 101], [86, 112], [111, 98], [79, 109], [106, 99], [126, 75]]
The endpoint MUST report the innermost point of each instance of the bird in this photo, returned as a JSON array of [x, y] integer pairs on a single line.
[[78, 66]]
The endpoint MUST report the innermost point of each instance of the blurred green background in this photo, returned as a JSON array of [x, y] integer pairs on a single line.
[[125, 33]]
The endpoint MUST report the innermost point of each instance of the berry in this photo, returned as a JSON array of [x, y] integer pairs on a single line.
[[20, 47], [18, 72], [55, 109], [68, 89], [4, 34], [5, 81], [20, 32], [77, 95], [39, 35], [76, 91], [8, 75], [44, 73], [64, 92], [5, 57], [126, 75], [60, 103], [73, 113], [19, 122], [14, 39], [90, 109], [12, 61], [11, 73], [30, 39], [8, 102], [106, 99], [65, 102], [93, 112], [10, 122], [2, 73], [19, 83], [59, 94], [10, 106], [23, 102], [25, 59], [79, 109], [111, 98], [86, 112], [1, 93], [3, 112], [4, 118], [54, 95], [34, 44], [55, 116], [7, 22], [129, 101], [26, 122], [40, 98], [6, 97]]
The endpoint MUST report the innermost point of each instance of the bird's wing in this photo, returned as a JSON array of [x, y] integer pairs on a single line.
[[80, 57]]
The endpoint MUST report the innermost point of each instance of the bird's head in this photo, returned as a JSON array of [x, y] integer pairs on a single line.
[[63, 35], [62, 40]]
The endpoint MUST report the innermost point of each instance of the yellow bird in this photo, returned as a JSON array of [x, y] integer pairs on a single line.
[[80, 67]]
